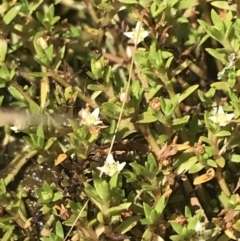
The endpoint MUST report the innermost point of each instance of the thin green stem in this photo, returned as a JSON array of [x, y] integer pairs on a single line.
[[219, 172], [150, 139]]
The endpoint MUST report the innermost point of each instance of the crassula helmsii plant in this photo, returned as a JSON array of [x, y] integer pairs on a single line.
[[132, 107]]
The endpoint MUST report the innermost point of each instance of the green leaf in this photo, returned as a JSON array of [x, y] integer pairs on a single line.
[[187, 164], [216, 34], [153, 217], [37, 47], [49, 53], [114, 182], [224, 5], [4, 72], [147, 117], [59, 57], [12, 13], [223, 134], [29, 141], [196, 168], [140, 170], [94, 87], [118, 209], [235, 158], [8, 235], [186, 4], [160, 205], [217, 21], [92, 194], [2, 187], [34, 108], [15, 93], [221, 86], [236, 225], [1, 99], [147, 210], [205, 26], [217, 54], [50, 14], [40, 131], [102, 188], [49, 143], [127, 225], [59, 230], [177, 227], [211, 163], [188, 212], [55, 20], [220, 161], [187, 92], [148, 234], [181, 121], [40, 142]]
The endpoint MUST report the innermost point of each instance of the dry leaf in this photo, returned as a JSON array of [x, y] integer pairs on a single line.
[[209, 175], [28, 223], [62, 157]]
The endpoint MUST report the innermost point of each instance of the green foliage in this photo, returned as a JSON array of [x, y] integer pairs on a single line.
[[167, 109], [47, 197]]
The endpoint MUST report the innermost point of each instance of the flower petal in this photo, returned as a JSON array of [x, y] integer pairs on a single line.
[[138, 26], [110, 160], [198, 227], [213, 119], [229, 117], [84, 114], [95, 113], [121, 166], [97, 122], [220, 110], [102, 169], [215, 110], [145, 34], [129, 34]]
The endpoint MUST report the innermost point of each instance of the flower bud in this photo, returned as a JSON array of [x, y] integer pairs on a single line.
[[124, 97], [155, 104]]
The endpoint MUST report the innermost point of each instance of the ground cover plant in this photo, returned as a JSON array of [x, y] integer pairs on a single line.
[[119, 120]]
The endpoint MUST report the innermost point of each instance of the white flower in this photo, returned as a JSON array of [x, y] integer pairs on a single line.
[[18, 125], [15, 128], [200, 233], [220, 117], [90, 119], [111, 167], [138, 34]]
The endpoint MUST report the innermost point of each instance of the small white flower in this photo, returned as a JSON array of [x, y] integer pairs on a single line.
[[111, 167], [18, 125], [138, 34], [90, 119], [220, 117], [200, 233], [15, 128]]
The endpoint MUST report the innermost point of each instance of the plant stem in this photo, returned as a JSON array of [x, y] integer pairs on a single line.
[[15, 166], [150, 139], [219, 171], [221, 181]]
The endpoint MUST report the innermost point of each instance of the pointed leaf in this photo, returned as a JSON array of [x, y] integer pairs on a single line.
[[187, 92]]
